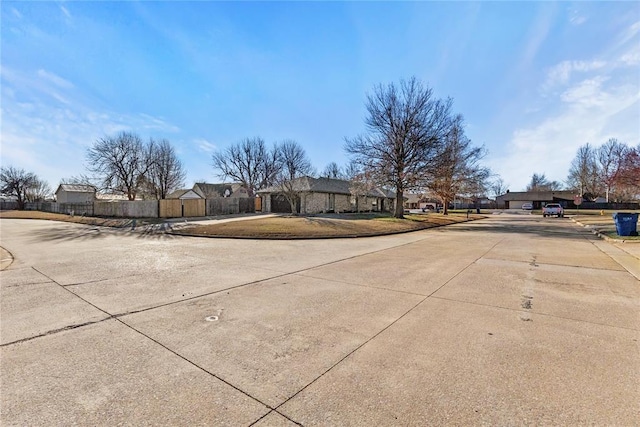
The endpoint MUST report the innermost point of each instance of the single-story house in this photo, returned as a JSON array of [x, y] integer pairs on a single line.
[[212, 191], [75, 193], [412, 200], [515, 200], [184, 194], [318, 195]]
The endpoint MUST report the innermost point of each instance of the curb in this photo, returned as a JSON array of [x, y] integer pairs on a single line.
[[602, 235], [352, 236]]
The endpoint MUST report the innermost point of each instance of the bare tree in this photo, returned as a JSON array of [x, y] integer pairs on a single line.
[[629, 176], [121, 163], [351, 170], [498, 187], [610, 158], [539, 182], [18, 183], [456, 170], [39, 191], [294, 165], [583, 174], [166, 172], [405, 126], [249, 162], [361, 185], [332, 170]]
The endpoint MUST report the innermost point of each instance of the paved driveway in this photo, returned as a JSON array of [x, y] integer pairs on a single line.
[[508, 320]]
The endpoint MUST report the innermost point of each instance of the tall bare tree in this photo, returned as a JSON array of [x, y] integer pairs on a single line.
[[457, 170], [583, 174], [610, 157], [294, 165], [166, 172], [332, 170], [121, 163], [405, 126], [249, 162], [629, 176], [498, 187], [539, 182], [17, 182], [39, 191]]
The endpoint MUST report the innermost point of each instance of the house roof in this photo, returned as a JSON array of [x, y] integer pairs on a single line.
[[307, 184], [207, 191], [76, 188], [179, 193], [537, 196]]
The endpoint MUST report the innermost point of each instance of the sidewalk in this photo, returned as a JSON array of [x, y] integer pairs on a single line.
[[177, 223]]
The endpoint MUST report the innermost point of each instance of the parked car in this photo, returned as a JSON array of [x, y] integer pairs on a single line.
[[553, 209], [527, 206]]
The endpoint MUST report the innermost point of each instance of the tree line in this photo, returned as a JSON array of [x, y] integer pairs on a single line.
[[611, 171], [412, 141]]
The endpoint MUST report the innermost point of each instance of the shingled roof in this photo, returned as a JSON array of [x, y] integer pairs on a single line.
[[209, 191], [76, 188], [307, 184]]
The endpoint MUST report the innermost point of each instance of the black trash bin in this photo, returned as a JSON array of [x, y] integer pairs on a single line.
[[626, 223]]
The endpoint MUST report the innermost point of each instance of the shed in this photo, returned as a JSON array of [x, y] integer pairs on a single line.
[[75, 193]]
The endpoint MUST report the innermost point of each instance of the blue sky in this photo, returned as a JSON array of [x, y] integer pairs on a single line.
[[534, 80]]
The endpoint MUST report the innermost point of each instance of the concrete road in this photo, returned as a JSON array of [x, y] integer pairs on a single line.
[[512, 320]]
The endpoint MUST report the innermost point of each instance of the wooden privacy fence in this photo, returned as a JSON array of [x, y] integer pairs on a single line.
[[63, 208], [170, 208], [228, 206], [193, 207]]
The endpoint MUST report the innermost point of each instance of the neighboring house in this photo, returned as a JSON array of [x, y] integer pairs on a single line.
[[318, 195], [212, 191], [184, 194], [412, 200], [419, 201], [515, 200], [75, 193]]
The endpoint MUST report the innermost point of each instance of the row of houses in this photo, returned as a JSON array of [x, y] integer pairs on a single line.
[[313, 195], [319, 195]]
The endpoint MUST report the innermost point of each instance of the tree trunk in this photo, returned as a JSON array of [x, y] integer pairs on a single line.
[[445, 207], [399, 210]]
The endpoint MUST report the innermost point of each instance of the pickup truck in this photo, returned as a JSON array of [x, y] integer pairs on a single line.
[[553, 209]]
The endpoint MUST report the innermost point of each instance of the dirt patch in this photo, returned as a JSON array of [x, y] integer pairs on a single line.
[[326, 226]]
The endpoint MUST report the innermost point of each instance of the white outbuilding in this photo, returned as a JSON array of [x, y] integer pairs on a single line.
[[75, 193]]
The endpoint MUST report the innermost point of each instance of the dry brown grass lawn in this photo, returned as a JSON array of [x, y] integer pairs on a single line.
[[285, 227], [330, 226], [604, 224], [66, 218]]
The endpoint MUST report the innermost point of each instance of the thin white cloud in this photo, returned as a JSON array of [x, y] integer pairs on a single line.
[[562, 72], [205, 145], [55, 79], [16, 13], [629, 33], [592, 110], [538, 33], [65, 11], [576, 18], [51, 138], [157, 124], [631, 57]]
